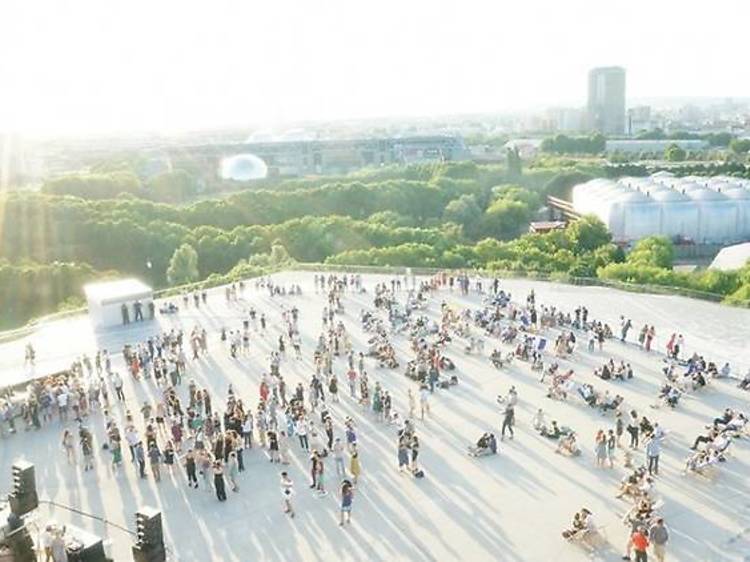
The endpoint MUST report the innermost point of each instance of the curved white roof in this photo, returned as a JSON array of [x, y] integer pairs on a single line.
[[737, 193], [669, 195], [632, 197], [705, 195]]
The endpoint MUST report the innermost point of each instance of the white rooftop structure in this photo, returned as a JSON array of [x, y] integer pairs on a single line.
[[713, 210], [732, 257], [106, 301]]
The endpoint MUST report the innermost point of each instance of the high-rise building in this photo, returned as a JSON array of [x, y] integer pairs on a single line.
[[606, 104]]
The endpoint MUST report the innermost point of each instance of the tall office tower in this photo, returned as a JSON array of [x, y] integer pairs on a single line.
[[606, 105]]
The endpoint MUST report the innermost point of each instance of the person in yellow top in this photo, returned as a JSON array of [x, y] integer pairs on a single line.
[[355, 468]]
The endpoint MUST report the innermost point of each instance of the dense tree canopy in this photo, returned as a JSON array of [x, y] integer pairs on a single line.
[[436, 215]]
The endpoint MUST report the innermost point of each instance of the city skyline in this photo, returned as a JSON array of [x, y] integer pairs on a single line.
[[100, 66]]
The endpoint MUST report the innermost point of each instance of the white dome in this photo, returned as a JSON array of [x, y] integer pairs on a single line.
[[705, 195], [243, 167]]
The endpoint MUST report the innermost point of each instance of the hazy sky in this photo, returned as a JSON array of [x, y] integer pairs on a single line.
[[99, 65]]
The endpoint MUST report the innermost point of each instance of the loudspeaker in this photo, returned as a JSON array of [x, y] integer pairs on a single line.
[[24, 498], [149, 543]]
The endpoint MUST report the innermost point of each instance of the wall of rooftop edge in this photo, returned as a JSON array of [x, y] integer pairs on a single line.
[[556, 277]]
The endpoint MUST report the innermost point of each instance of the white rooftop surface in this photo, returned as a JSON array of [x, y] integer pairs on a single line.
[[116, 290], [732, 257], [509, 507]]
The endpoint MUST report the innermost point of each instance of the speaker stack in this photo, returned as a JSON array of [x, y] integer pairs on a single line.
[[149, 543], [24, 498]]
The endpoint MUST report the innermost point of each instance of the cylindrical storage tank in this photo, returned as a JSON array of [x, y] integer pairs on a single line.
[[717, 217], [634, 216], [678, 214], [741, 197], [584, 195]]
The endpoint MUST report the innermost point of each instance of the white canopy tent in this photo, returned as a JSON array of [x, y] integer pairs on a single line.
[[113, 303]]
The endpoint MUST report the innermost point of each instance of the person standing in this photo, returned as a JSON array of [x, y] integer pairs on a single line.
[[508, 417], [117, 382], [300, 428], [650, 334], [69, 446], [633, 429], [414, 445], [355, 469], [659, 536], [319, 467], [87, 448], [403, 453], [140, 458], [653, 449], [287, 493], [338, 457], [412, 403], [611, 446], [116, 449], [191, 469], [424, 397], [233, 470], [347, 496], [352, 378], [219, 484], [600, 448], [154, 458], [640, 544]]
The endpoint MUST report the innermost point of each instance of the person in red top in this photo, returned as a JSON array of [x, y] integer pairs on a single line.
[[640, 544]]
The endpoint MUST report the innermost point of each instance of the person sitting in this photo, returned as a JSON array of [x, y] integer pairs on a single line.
[[744, 384], [496, 357], [168, 308], [582, 527], [604, 373], [486, 445], [553, 432], [640, 514], [539, 422], [699, 380], [720, 444], [708, 438], [609, 403], [536, 361], [446, 364], [724, 373], [701, 460], [647, 427], [568, 445], [724, 418], [734, 426]]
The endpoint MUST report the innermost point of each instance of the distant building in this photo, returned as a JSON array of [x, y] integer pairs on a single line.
[[527, 148], [338, 156], [639, 119], [606, 101], [567, 119], [543, 227], [632, 146]]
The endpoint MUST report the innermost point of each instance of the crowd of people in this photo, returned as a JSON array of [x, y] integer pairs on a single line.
[[194, 435]]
